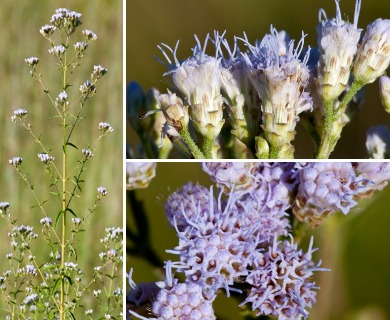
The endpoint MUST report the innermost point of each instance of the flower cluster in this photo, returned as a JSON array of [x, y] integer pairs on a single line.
[[242, 240], [266, 87]]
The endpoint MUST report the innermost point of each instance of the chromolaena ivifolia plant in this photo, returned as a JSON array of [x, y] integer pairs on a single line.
[[43, 277]]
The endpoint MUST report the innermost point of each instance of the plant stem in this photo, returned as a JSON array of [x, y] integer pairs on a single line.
[[185, 135], [326, 147], [329, 137], [208, 148], [63, 237]]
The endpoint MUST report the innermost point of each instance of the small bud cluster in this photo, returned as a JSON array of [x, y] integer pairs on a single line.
[[242, 240]]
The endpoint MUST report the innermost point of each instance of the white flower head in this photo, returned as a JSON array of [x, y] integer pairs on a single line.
[[337, 44], [373, 56], [198, 78]]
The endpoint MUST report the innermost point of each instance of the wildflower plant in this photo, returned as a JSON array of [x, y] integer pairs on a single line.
[[44, 278], [242, 238], [244, 99]]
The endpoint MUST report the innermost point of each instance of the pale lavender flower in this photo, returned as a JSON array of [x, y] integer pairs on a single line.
[[62, 99], [76, 221], [19, 113], [87, 153], [217, 247], [374, 174], [373, 56], [80, 47], [105, 128], [32, 61], [87, 88], [231, 175], [99, 71], [45, 158], [142, 292], [378, 142], [57, 51], [281, 282], [326, 188], [15, 161], [89, 35], [4, 207], [102, 191], [187, 204], [179, 301], [198, 78], [31, 270], [70, 20], [139, 174], [47, 30], [337, 43], [31, 299], [46, 222], [279, 77]]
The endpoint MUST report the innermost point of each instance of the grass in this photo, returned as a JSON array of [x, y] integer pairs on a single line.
[[21, 39]]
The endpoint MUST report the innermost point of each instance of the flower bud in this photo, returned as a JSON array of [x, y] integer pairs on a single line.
[[176, 114], [139, 174], [384, 85], [378, 142], [373, 56]]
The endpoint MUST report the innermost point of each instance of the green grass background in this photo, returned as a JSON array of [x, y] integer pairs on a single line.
[[151, 22], [20, 39], [355, 247]]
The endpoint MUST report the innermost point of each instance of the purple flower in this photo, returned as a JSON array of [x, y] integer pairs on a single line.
[[180, 301], [375, 175], [325, 188], [188, 204], [281, 282], [231, 175]]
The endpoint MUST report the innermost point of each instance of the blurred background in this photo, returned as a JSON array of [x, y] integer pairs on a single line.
[[151, 22], [20, 36], [355, 247]]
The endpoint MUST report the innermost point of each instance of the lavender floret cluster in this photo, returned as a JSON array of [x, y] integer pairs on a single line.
[[240, 238]]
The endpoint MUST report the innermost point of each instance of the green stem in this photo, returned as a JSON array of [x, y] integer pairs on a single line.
[[326, 145], [64, 201], [329, 138], [185, 135], [208, 148]]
